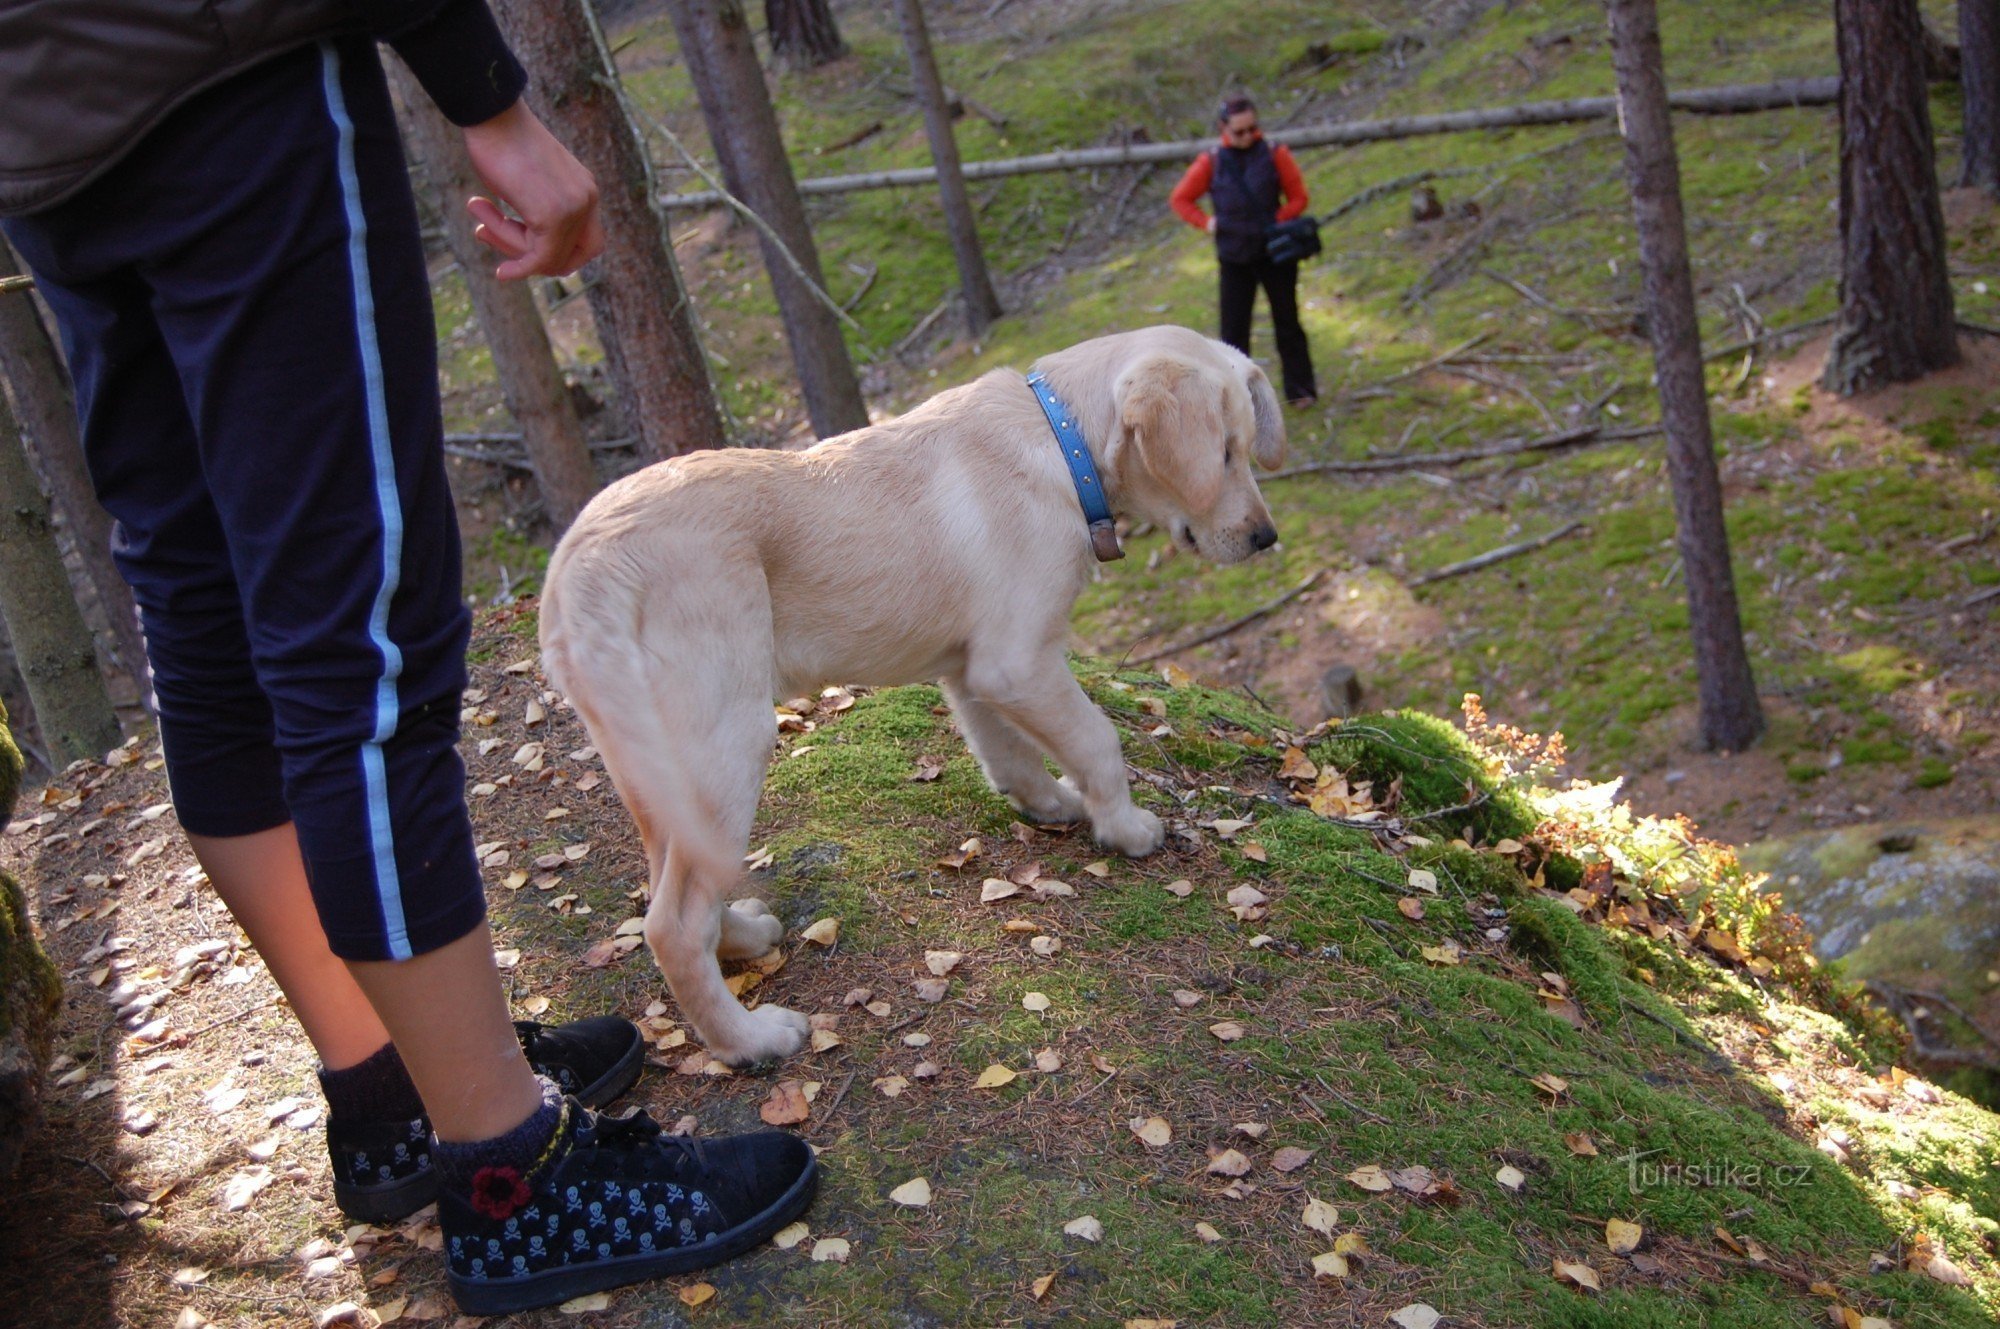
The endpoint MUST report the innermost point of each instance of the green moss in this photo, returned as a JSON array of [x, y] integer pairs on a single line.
[[1437, 768], [1935, 773]]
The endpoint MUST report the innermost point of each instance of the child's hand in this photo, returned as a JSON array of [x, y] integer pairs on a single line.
[[555, 228]]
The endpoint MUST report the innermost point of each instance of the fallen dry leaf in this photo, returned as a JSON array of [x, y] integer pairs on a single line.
[[1331, 1264], [1512, 1178], [786, 1105], [1320, 1216], [1291, 1158], [1582, 1275], [1581, 1144], [823, 933], [1369, 1177], [997, 888], [1411, 908], [1183, 888], [790, 1235], [1208, 1234], [1416, 1315], [1035, 1001], [1040, 1287], [915, 1193], [1422, 879], [1048, 1061], [694, 1294], [835, 1249], [1227, 1030], [1622, 1237], [1086, 1227], [929, 990], [1255, 852], [1228, 1163], [1552, 1085], [242, 1188], [993, 1077], [1153, 1132], [941, 963]]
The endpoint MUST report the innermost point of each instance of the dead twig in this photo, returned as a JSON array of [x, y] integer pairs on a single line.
[[1492, 556], [1233, 625], [1445, 357], [1767, 336], [1568, 438]]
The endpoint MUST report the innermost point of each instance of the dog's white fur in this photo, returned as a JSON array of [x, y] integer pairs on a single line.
[[946, 545]]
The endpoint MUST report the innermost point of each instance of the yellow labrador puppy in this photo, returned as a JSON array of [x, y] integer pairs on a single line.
[[947, 545]]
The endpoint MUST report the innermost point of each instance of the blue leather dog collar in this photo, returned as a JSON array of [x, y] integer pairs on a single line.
[[1082, 470]]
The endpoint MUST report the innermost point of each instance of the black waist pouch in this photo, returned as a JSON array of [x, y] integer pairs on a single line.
[[1289, 242]]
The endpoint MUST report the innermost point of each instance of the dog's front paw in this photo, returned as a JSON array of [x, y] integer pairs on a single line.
[[769, 1033], [749, 929], [1054, 803], [1132, 831]]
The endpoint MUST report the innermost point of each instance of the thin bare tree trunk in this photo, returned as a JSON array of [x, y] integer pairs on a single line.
[[51, 641], [636, 293], [1979, 78], [743, 127], [536, 395], [803, 34], [975, 284], [1896, 316], [1731, 717], [47, 413]]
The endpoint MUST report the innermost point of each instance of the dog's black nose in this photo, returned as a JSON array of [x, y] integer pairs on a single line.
[[1264, 536]]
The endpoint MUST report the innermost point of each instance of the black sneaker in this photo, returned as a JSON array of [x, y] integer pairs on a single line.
[[617, 1201], [382, 1169]]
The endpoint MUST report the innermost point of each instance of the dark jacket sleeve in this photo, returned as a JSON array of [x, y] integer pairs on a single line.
[[455, 49]]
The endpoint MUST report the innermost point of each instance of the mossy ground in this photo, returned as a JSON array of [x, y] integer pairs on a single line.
[[1357, 1047]]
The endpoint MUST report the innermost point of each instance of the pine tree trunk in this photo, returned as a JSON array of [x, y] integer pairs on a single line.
[[803, 34], [1731, 717], [47, 415], [1979, 79], [743, 127], [636, 293], [536, 395], [51, 641], [1896, 317], [975, 284]]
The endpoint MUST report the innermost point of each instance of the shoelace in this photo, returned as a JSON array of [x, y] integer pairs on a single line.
[[642, 1136]]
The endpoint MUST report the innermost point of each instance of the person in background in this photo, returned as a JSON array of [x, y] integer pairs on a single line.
[[213, 200], [1253, 186]]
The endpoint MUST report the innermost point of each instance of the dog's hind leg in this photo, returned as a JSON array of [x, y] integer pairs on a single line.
[[1011, 760], [691, 772]]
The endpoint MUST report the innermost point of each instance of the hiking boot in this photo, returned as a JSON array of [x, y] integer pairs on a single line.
[[382, 1169], [614, 1201]]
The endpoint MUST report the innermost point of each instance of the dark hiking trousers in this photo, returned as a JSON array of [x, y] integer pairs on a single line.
[[248, 321], [1281, 287]]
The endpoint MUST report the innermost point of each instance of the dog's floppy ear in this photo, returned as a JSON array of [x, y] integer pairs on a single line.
[[1269, 449], [1148, 405]]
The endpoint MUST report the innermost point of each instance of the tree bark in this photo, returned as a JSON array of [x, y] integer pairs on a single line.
[[635, 289], [51, 641], [803, 34], [975, 284], [743, 127], [537, 397], [1979, 79], [47, 414], [1896, 316], [1731, 717]]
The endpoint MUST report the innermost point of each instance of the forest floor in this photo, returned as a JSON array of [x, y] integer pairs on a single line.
[[1140, 1093]]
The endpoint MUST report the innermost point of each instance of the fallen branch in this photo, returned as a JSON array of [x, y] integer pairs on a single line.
[[1584, 315], [481, 448], [860, 135], [1734, 100], [1492, 556], [1234, 624], [1568, 438], [1908, 1006], [1445, 357], [867, 284], [1768, 335]]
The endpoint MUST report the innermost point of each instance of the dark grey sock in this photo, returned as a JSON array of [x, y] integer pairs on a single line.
[[376, 1089], [458, 1162]]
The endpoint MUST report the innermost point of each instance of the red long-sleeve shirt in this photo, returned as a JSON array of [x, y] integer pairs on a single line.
[[1291, 184]]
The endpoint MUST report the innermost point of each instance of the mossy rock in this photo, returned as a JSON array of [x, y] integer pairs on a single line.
[[1439, 769], [30, 991]]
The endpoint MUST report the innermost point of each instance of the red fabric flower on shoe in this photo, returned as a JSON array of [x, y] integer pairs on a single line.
[[499, 1192]]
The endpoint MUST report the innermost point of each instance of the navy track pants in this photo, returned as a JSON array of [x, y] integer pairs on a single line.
[[248, 322]]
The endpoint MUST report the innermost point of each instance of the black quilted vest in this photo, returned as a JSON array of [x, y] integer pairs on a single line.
[[1244, 188]]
